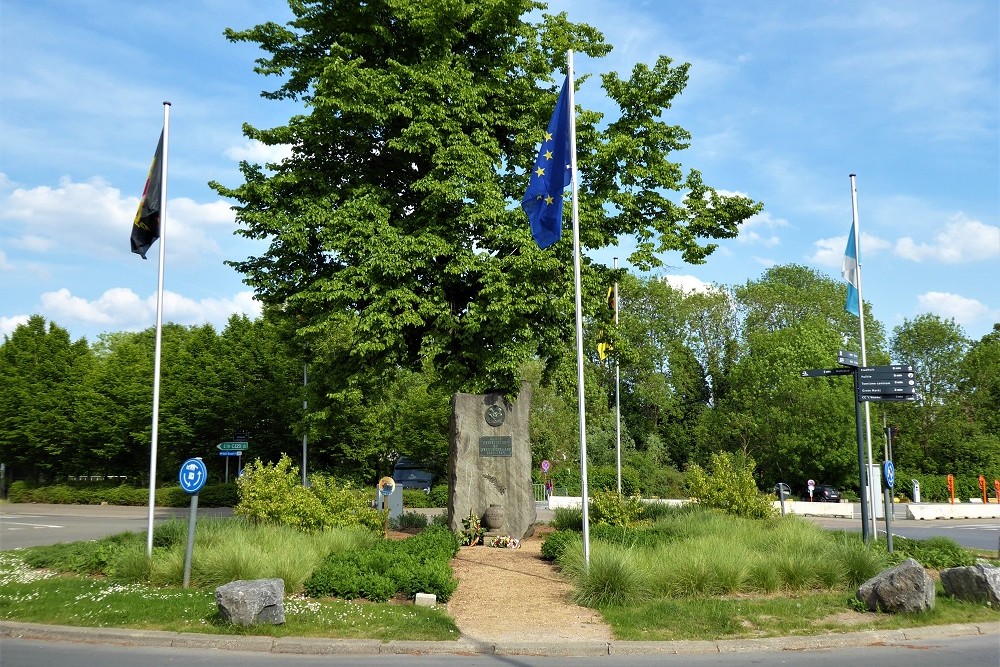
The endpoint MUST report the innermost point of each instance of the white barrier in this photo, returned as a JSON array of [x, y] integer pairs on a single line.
[[921, 511], [949, 511], [806, 508]]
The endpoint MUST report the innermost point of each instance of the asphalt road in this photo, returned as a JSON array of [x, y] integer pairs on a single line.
[[976, 651], [30, 525]]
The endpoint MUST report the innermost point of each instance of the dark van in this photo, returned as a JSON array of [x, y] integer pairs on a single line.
[[410, 475]]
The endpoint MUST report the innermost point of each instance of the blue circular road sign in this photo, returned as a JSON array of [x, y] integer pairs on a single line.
[[193, 475], [889, 472]]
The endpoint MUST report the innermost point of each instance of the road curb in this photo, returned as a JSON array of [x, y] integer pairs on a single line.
[[465, 646]]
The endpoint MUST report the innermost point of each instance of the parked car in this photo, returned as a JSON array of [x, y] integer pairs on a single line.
[[823, 493], [410, 475]]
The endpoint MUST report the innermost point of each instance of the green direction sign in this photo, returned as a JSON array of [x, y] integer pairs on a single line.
[[232, 446]]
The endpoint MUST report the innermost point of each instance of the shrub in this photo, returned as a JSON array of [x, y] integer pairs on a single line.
[[273, 494], [416, 498], [418, 564], [936, 552], [567, 518], [439, 495], [557, 542], [728, 485], [613, 509], [410, 521]]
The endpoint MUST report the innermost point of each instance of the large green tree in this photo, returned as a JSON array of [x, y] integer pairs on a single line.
[[394, 233], [41, 370]]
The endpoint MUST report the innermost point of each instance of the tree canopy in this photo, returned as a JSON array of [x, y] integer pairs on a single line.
[[394, 233]]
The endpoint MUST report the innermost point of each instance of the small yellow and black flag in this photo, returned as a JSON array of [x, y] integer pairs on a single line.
[[603, 350], [146, 227]]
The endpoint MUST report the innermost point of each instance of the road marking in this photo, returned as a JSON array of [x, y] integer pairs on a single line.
[[975, 527], [10, 525]]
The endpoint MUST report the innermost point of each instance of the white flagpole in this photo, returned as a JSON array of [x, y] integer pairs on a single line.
[[159, 331], [864, 361], [579, 315], [618, 402]]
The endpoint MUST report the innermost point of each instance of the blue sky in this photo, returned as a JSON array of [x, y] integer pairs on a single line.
[[785, 100]]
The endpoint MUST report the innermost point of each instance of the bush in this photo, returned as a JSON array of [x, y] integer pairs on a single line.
[[273, 494], [410, 521], [936, 552], [439, 495], [419, 564], [416, 498], [557, 542], [728, 485], [567, 518], [613, 509]]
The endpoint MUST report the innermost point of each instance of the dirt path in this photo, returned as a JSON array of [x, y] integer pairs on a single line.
[[512, 594]]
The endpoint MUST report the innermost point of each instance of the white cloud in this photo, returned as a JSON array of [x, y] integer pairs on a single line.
[[830, 251], [120, 309], [94, 218], [960, 308], [762, 221], [687, 283], [8, 324], [5, 264], [259, 153], [962, 240]]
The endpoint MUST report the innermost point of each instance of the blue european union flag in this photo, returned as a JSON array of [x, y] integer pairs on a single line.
[[551, 174]]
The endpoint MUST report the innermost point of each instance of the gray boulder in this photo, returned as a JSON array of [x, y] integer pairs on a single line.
[[252, 602], [904, 588], [973, 583]]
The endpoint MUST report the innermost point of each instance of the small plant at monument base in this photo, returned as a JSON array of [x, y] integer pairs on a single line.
[[504, 542], [473, 531]]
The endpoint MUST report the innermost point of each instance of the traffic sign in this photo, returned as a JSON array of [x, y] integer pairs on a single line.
[[889, 473], [825, 372], [892, 368], [883, 388], [545, 466], [231, 452], [233, 446], [193, 475]]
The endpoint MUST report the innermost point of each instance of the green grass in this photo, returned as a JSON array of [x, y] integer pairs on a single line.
[[42, 596], [809, 613], [700, 574]]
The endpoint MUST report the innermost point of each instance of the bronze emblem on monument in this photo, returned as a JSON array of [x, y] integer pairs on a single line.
[[495, 415]]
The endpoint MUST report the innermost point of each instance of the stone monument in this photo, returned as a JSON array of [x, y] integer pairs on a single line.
[[489, 461]]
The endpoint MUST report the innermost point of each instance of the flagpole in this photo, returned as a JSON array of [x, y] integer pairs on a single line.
[[159, 332], [864, 362], [618, 403], [579, 313]]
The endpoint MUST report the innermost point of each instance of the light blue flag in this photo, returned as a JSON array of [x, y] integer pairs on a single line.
[[543, 200], [849, 269]]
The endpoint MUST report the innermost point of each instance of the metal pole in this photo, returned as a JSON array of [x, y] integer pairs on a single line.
[[862, 467], [582, 408], [159, 332], [189, 552], [305, 409], [887, 493], [618, 403]]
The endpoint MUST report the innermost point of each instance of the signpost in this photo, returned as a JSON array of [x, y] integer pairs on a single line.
[[889, 475], [811, 485], [193, 476], [234, 447], [894, 382]]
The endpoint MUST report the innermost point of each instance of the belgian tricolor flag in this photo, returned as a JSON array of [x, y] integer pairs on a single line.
[[146, 227]]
